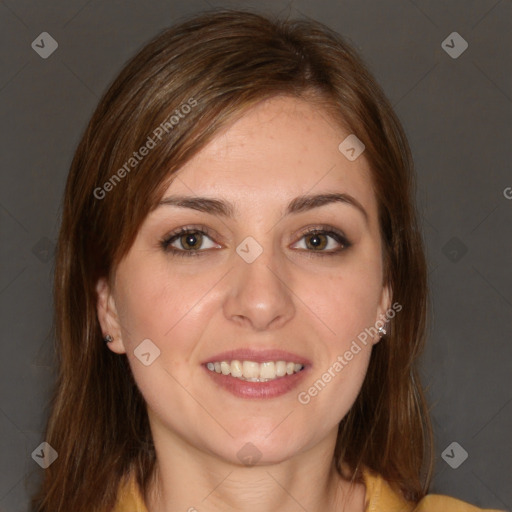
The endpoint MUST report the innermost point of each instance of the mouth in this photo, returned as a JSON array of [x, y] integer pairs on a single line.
[[247, 373]]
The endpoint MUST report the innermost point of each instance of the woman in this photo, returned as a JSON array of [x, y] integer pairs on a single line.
[[240, 287]]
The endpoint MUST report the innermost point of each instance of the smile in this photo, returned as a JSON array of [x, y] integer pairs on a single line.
[[253, 371]]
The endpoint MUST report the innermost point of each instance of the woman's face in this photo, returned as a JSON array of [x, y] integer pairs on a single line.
[[248, 283]]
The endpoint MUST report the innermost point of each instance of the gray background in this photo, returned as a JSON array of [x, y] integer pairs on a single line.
[[457, 114]]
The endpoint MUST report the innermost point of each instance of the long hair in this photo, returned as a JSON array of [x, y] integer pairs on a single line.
[[172, 98]]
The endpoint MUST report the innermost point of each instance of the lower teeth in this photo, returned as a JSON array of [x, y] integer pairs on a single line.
[[255, 379]]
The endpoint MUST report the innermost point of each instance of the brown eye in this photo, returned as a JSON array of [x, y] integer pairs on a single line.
[[323, 241], [191, 240], [316, 241]]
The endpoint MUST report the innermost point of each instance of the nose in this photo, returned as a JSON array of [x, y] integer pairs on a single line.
[[259, 294]]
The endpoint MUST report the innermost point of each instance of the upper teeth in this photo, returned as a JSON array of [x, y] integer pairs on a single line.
[[253, 371]]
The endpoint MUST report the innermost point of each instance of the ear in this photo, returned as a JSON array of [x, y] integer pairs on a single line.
[[108, 317], [382, 319]]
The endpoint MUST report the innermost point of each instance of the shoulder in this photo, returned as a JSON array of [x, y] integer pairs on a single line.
[[380, 497], [434, 502]]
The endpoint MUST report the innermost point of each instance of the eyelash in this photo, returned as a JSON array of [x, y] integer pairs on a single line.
[[323, 230]]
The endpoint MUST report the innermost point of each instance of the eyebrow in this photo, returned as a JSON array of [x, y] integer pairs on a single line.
[[297, 205]]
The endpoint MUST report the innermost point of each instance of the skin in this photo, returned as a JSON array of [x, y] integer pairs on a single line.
[[290, 298]]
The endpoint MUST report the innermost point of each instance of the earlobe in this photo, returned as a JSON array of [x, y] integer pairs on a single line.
[[108, 318]]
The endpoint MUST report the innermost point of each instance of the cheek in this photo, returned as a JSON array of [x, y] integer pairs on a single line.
[[347, 303], [347, 300], [166, 308], [169, 308]]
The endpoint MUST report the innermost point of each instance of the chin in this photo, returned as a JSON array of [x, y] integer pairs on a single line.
[[263, 449]]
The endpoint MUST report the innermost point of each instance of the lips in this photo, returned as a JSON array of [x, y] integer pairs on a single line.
[[256, 387]]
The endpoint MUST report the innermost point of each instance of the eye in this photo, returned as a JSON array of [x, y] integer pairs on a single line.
[[188, 241], [324, 240], [195, 241]]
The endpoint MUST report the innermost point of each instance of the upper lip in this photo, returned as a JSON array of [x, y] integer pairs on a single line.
[[258, 356]]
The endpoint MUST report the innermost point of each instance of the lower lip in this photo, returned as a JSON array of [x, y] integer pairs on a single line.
[[269, 389]]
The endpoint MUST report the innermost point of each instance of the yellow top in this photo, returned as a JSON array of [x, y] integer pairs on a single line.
[[379, 498]]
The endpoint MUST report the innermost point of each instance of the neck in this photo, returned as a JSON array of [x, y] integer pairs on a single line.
[[191, 480]]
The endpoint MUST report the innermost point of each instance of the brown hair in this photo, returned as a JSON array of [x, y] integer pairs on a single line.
[[221, 63]]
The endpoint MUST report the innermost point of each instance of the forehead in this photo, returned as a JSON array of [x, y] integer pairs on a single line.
[[279, 149]]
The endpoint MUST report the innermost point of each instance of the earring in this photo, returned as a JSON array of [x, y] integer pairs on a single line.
[[107, 338], [382, 331]]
